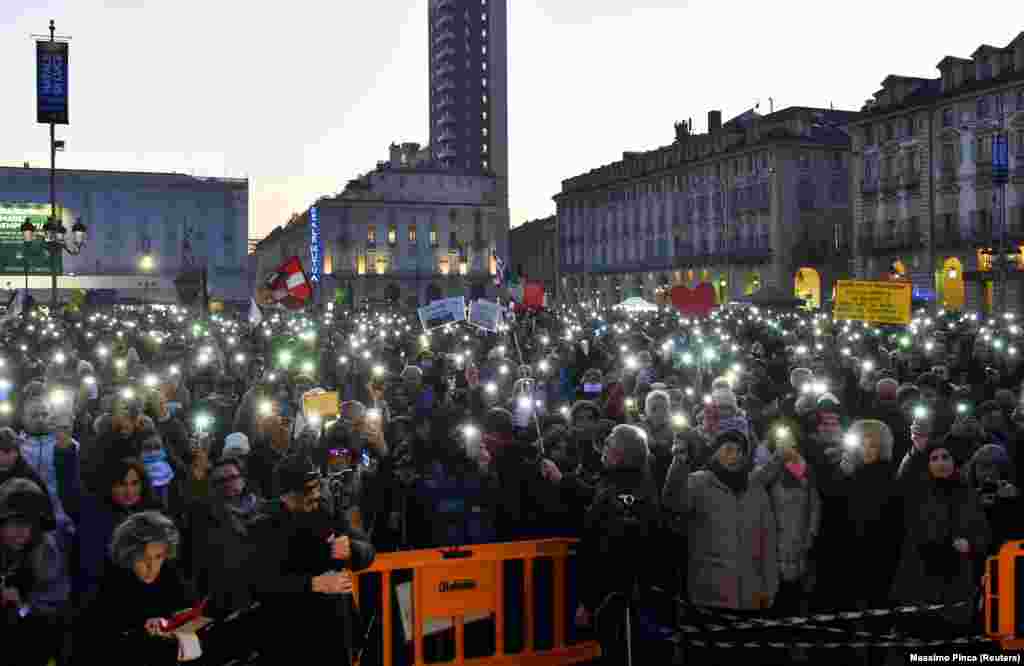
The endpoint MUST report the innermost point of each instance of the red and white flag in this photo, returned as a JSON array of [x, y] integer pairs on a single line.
[[289, 280]]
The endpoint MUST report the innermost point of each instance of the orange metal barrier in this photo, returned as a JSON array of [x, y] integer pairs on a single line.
[[1002, 580], [470, 581]]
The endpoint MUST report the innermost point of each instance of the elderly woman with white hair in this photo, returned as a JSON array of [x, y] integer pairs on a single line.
[[138, 595], [865, 481]]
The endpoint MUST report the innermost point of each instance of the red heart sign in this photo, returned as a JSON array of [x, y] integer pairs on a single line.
[[694, 302]]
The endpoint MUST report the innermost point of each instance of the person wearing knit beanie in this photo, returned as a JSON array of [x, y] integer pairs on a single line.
[[887, 390], [723, 397]]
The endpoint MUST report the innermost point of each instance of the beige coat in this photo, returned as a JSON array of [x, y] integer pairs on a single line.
[[732, 539]]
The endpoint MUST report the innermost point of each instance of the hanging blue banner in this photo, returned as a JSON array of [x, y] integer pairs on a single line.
[[1000, 159], [316, 246], [52, 83]]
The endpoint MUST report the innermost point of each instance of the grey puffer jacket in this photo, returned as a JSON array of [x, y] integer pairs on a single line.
[[797, 507], [732, 538]]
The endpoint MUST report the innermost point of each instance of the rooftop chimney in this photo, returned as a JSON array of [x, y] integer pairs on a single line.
[[714, 121]]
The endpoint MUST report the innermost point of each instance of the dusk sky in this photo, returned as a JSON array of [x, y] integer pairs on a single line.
[[302, 96]]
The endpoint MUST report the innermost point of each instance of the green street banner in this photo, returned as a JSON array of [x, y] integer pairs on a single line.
[[16, 256]]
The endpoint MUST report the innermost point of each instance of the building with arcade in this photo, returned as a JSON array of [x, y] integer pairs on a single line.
[[929, 206], [759, 200]]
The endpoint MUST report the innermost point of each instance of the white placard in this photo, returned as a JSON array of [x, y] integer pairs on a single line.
[[443, 312], [486, 315]]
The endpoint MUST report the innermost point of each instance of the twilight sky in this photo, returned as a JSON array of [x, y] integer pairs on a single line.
[[302, 96]]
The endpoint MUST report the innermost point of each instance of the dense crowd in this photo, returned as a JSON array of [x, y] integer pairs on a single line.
[[756, 461]]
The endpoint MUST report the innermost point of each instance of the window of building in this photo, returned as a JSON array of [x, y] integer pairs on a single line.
[[328, 263], [483, 115], [361, 264], [483, 49], [392, 235], [443, 266], [483, 65], [983, 106], [371, 235], [869, 136], [412, 233], [483, 99], [483, 33], [382, 264], [485, 165], [483, 147], [483, 83], [947, 117], [484, 131], [433, 236]]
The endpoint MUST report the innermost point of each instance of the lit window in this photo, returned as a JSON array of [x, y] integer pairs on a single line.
[[443, 266], [382, 264], [486, 164], [483, 65], [392, 235], [483, 98], [361, 264], [484, 148], [412, 233], [483, 49], [371, 234], [483, 82], [433, 236], [329, 264], [483, 115], [484, 131]]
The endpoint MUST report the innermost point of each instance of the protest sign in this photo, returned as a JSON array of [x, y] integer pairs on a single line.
[[877, 302], [442, 312], [485, 315]]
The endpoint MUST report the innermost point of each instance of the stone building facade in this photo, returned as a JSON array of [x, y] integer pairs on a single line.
[[926, 207], [761, 200], [408, 232], [534, 251]]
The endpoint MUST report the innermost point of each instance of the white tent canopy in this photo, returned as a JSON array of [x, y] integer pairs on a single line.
[[637, 304]]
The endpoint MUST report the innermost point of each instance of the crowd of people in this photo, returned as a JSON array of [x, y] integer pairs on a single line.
[[754, 461]]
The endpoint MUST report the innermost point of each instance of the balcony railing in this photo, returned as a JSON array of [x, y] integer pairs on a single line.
[[446, 135]]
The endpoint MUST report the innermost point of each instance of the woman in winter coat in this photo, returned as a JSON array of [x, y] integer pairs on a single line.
[[127, 491], [34, 583], [792, 489], [945, 533], [139, 592], [732, 560], [874, 506]]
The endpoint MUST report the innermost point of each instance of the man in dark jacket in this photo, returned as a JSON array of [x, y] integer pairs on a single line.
[[302, 570]]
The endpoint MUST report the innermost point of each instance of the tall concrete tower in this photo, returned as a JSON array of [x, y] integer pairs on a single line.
[[469, 86]]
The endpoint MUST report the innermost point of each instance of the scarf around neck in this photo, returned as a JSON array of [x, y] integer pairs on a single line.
[[736, 480]]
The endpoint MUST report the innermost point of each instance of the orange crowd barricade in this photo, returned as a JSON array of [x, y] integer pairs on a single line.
[[469, 581], [1004, 621]]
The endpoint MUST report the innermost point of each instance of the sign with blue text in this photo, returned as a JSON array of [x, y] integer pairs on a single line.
[[316, 245], [52, 83]]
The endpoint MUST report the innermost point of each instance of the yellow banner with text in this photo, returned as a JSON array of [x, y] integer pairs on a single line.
[[877, 302]]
